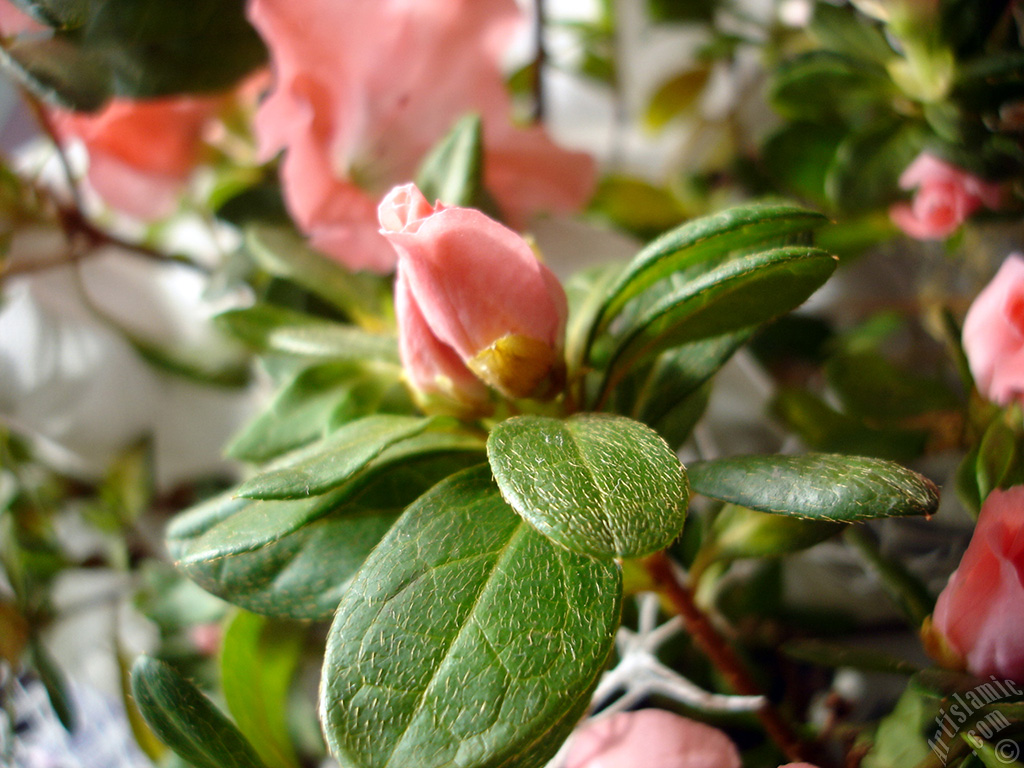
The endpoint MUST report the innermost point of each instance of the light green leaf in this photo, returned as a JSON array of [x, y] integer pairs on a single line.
[[186, 720], [283, 253], [312, 403], [735, 295], [267, 328], [257, 661], [319, 467], [817, 485], [675, 96], [453, 171], [295, 558], [603, 485], [701, 240], [466, 638]]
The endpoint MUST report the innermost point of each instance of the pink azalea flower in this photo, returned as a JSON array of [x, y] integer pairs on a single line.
[[993, 335], [363, 90], [141, 153], [980, 613], [946, 196], [471, 298], [647, 738]]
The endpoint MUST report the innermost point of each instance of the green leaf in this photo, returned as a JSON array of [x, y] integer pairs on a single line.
[[257, 661], [453, 171], [603, 485], [834, 655], [823, 86], [283, 253], [138, 49], [316, 400], [900, 739], [637, 206], [701, 240], [848, 32], [739, 532], [999, 455], [295, 558], [868, 163], [186, 720], [735, 295], [466, 637], [873, 388], [267, 328], [328, 463], [54, 683], [797, 157], [675, 96], [817, 485], [585, 291]]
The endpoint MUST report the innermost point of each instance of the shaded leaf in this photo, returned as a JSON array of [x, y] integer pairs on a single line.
[[453, 170], [817, 486], [603, 485], [466, 636], [186, 720]]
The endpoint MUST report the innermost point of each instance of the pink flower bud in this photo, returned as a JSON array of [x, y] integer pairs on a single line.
[[993, 335], [471, 291], [946, 196], [979, 616], [648, 738]]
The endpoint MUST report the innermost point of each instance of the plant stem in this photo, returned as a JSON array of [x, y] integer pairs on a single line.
[[722, 655], [540, 56]]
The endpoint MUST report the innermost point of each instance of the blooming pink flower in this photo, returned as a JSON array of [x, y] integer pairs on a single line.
[[647, 738], [141, 152], [980, 613], [993, 335], [946, 196], [363, 90], [471, 296]]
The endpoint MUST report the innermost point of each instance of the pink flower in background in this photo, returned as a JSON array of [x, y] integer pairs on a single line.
[[946, 196], [363, 90], [141, 152], [471, 296], [980, 613], [650, 738], [993, 335], [14, 21]]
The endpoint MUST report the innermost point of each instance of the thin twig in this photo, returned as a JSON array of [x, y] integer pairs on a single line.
[[725, 659], [540, 57]]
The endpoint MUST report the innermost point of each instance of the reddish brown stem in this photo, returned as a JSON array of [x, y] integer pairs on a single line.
[[725, 659]]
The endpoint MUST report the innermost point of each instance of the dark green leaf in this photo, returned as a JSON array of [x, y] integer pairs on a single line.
[[701, 240], [868, 163], [798, 155], [602, 485], [54, 682], [59, 72], [453, 171], [295, 558], [466, 637], [186, 721], [328, 463], [823, 86], [816, 485], [850, 33], [735, 295], [257, 661], [873, 388]]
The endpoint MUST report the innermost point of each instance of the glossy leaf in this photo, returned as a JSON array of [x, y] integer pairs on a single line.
[[257, 661], [700, 240], [328, 463], [603, 485], [740, 293], [295, 558], [467, 637], [816, 485], [186, 720], [453, 171]]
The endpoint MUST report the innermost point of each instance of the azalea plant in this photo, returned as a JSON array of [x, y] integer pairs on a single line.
[[476, 502]]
